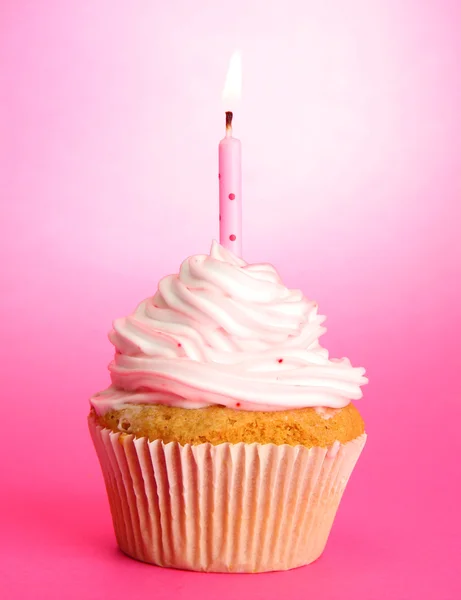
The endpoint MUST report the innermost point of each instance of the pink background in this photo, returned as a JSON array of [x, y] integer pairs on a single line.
[[351, 130]]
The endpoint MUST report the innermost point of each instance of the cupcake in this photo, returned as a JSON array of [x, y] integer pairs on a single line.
[[228, 435]]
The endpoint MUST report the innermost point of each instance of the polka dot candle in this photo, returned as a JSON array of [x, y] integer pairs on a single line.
[[230, 191]]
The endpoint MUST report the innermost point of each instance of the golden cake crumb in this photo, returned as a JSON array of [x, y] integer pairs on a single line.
[[218, 424]]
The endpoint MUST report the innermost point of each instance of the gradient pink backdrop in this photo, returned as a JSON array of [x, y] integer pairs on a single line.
[[351, 130]]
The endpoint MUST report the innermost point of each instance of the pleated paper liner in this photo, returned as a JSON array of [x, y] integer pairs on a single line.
[[243, 508]]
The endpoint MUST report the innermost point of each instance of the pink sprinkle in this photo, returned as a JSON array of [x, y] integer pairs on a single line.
[[219, 217], [231, 196], [219, 176], [179, 346], [280, 360], [232, 238]]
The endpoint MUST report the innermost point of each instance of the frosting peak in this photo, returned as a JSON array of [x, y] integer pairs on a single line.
[[226, 332]]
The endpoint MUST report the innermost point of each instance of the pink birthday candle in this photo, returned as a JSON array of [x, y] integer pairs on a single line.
[[230, 190], [230, 167]]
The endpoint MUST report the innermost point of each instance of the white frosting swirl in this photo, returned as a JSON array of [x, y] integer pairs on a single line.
[[226, 332]]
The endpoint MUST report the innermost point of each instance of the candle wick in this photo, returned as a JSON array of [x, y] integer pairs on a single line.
[[229, 116]]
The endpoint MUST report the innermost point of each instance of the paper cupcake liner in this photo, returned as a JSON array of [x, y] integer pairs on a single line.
[[227, 508]]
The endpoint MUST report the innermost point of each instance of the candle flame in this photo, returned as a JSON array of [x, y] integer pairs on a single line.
[[233, 86]]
